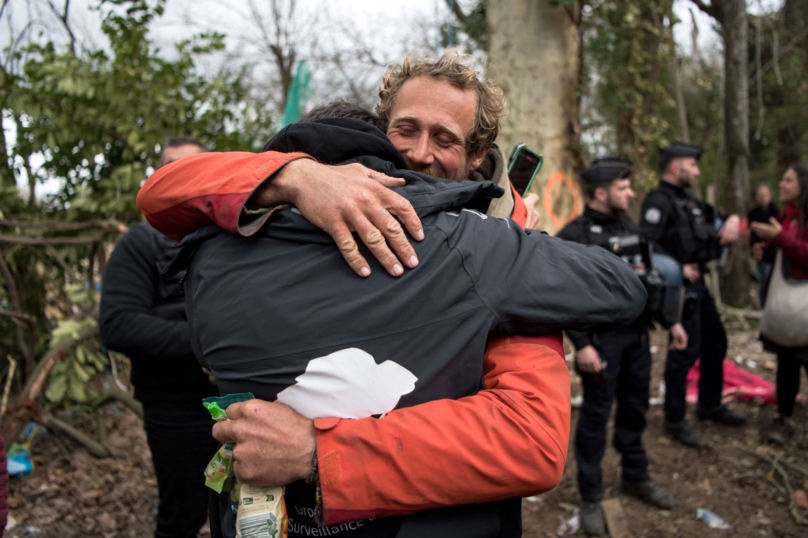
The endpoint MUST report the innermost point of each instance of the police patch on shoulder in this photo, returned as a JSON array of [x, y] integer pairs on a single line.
[[653, 215]]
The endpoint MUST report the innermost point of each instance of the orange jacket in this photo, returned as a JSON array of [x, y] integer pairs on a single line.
[[508, 440]]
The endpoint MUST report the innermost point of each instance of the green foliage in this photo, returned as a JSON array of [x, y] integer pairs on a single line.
[[628, 47], [69, 381], [783, 137], [99, 119], [95, 120], [470, 33]]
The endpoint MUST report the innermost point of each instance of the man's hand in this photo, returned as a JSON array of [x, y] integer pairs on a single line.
[[273, 443], [345, 199], [757, 252], [769, 231], [678, 337], [731, 230], [533, 216], [588, 360], [690, 272]]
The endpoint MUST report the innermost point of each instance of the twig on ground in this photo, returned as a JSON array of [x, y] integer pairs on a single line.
[[12, 366], [789, 491], [796, 467], [123, 396], [93, 447]]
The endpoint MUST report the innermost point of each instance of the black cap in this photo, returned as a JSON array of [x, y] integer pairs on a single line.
[[679, 149], [606, 169]]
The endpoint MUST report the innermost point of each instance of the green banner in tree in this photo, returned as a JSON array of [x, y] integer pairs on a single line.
[[299, 93]]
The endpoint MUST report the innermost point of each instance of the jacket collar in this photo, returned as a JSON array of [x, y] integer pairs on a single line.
[[494, 169], [673, 189], [601, 218]]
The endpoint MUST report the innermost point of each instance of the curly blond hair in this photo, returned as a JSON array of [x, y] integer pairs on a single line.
[[459, 71]]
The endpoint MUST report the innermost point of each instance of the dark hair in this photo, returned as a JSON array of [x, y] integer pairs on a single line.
[[179, 141], [341, 109], [590, 188], [801, 169], [753, 194], [665, 162]]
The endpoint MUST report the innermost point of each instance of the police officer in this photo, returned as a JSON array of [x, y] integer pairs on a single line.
[[685, 228], [614, 364]]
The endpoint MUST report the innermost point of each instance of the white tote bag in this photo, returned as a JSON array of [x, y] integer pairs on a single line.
[[785, 317]]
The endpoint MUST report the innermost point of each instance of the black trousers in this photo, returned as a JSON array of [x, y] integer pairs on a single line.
[[789, 361], [707, 340], [626, 376], [179, 435]]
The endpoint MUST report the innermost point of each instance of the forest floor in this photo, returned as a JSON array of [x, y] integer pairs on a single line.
[[733, 477], [72, 494]]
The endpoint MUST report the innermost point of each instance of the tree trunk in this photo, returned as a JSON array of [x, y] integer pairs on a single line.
[[736, 133], [533, 50]]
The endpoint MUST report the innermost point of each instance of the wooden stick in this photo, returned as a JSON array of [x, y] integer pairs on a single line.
[[51, 226], [33, 387], [124, 397], [12, 366], [14, 296], [775, 463], [93, 447]]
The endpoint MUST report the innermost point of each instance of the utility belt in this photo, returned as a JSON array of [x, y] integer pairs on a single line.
[[667, 302]]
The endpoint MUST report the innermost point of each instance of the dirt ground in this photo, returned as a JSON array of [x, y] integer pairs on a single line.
[[730, 478], [71, 494]]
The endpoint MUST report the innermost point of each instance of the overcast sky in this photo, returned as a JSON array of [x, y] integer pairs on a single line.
[[389, 27]]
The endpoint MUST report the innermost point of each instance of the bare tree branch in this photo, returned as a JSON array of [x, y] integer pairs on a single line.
[[47, 226], [713, 9], [14, 296], [759, 81], [457, 10], [63, 17], [19, 240]]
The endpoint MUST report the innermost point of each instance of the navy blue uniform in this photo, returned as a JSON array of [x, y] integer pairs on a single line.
[[626, 376], [684, 227]]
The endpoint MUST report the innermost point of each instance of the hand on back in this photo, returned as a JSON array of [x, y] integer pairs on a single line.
[[346, 199]]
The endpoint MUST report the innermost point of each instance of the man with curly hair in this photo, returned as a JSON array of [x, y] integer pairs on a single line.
[[443, 121]]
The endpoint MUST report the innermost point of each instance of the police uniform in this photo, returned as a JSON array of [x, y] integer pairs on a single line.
[[626, 358], [684, 228]]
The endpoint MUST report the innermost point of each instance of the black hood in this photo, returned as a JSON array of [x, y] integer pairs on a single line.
[[337, 141]]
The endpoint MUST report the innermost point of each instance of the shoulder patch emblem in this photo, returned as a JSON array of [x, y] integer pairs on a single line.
[[595, 229], [653, 215]]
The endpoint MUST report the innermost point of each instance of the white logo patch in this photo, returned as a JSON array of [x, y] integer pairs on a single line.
[[653, 215], [348, 384], [595, 229]]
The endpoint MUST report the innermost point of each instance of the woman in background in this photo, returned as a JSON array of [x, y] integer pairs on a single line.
[[788, 233], [762, 211]]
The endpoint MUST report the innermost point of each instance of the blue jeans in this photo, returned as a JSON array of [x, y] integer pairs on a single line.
[[764, 268], [668, 268]]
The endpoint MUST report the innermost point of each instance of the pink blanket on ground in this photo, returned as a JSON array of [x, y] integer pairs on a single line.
[[739, 384]]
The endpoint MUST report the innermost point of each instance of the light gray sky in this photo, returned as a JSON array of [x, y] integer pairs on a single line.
[[388, 28]]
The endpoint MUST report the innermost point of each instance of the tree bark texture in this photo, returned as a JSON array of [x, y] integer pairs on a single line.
[[533, 51], [736, 134]]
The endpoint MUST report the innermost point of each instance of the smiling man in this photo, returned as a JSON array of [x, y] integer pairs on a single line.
[[440, 118]]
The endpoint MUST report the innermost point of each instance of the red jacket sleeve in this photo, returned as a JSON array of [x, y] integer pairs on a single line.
[[795, 248], [508, 440], [209, 187], [519, 208]]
